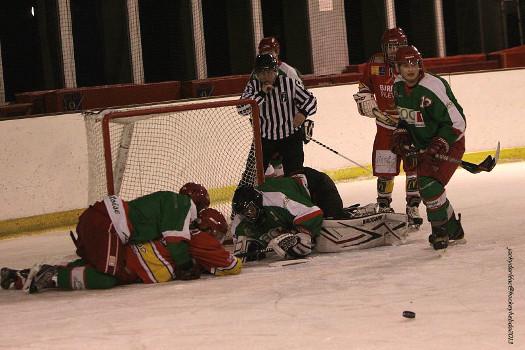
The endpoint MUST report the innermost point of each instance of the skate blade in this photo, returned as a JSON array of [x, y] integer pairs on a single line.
[[457, 242]]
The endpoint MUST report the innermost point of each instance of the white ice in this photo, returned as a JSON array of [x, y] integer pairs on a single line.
[[351, 300]]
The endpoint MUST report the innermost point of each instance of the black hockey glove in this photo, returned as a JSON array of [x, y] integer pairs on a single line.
[[401, 141], [308, 130], [438, 146]]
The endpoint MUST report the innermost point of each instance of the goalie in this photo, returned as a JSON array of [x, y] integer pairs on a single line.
[[279, 216]]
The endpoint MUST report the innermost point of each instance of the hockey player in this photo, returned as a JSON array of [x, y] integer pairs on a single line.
[[432, 124], [148, 262], [375, 100], [277, 214]]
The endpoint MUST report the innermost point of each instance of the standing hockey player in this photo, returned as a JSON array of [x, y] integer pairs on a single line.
[[375, 100], [148, 262], [284, 106], [277, 214], [432, 124]]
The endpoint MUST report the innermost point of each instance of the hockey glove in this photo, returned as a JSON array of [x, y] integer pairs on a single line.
[[186, 272], [438, 147], [401, 141], [366, 102], [292, 245], [308, 130]]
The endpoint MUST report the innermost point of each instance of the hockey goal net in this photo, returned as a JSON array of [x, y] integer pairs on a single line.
[[137, 151]]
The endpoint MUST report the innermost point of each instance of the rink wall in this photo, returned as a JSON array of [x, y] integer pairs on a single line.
[[44, 160]]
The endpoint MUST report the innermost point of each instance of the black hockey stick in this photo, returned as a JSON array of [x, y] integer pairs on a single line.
[[486, 165], [254, 253], [339, 154]]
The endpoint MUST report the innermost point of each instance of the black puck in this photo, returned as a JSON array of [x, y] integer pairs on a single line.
[[409, 314]]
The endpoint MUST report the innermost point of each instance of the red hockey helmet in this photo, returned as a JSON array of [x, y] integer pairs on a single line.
[[269, 43], [409, 54], [391, 41], [198, 194], [213, 222]]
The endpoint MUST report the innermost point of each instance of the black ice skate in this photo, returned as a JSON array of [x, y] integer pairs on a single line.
[[42, 277], [439, 238], [10, 276], [457, 237]]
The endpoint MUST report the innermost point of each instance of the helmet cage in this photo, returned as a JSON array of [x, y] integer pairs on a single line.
[[248, 202], [391, 41]]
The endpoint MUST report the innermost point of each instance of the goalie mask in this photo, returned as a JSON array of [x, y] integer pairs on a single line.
[[198, 194], [391, 41], [213, 222], [248, 202]]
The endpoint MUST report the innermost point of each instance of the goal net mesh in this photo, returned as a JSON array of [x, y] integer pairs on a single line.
[[145, 150]]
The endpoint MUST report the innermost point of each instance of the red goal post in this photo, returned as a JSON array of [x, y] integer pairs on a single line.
[[136, 151]]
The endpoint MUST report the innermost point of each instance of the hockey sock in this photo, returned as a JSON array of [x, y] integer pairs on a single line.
[[385, 186], [84, 277], [439, 210], [412, 191]]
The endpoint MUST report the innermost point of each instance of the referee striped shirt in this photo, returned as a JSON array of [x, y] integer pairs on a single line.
[[278, 107]]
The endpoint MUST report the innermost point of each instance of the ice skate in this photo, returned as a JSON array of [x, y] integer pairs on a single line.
[[414, 219], [383, 205], [41, 277], [439, 238], [9, 277]]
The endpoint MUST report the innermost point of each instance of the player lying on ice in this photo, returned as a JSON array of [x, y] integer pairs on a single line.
[[280, 216], [155, 238]]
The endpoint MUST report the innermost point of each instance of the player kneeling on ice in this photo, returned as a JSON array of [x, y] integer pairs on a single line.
[[431, 128], [107, 261], [279, 215]]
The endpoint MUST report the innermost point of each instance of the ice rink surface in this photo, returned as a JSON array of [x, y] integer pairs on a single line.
[[351, 300]]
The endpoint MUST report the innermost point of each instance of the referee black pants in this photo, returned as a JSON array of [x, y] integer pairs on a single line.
[[289, 148]]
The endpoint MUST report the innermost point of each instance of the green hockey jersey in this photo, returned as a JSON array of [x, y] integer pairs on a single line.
[[165, 215], [429, 110], [286, 205]]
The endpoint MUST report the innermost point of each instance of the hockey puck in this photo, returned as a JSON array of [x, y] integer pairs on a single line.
[[409, 314]]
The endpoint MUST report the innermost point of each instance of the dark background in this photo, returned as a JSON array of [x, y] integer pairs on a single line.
[[31, 52]]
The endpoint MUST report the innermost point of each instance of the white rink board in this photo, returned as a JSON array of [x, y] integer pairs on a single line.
[[43, 161]]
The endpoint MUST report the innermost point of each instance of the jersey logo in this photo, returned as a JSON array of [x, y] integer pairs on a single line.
[[425, 102], [284, 97], [412, 117]]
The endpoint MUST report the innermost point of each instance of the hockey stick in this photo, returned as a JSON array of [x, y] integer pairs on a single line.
[[254, 253], [339, 154], [486, 165]]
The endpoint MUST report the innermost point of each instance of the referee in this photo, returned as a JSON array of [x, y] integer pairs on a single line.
[[284, 105]]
